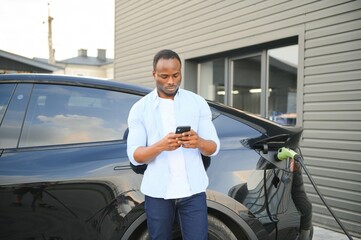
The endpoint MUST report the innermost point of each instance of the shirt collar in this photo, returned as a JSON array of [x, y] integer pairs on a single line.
[[155, 97]]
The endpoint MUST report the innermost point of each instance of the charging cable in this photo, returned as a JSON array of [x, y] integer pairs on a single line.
[[286, 153]]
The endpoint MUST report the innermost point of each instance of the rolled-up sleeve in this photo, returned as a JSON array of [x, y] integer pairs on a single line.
[[137, 134]]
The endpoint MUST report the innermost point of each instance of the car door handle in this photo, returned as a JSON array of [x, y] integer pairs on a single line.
[[122, 167]]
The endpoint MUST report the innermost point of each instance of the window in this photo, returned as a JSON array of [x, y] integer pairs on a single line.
[[64, 115], [212, 79], [6, 91], [246, 75], [282, 84], [261, 81]]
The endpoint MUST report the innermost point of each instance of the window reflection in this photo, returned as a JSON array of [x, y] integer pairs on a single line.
[[246, 82], [212, 80], [6, 92], [283, 83], [65, 114]]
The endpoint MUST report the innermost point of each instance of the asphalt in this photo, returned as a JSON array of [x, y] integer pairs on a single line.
[[326, 234]]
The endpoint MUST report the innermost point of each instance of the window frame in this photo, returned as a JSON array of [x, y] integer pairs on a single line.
[[293, 37]]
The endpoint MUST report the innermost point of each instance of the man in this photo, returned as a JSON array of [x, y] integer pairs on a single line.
[[175, 180]]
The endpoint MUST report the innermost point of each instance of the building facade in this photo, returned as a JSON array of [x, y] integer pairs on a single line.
[[13, 63], [294, 62], [84, 65]]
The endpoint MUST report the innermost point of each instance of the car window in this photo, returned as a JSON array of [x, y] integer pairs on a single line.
[[6, 91], [14, 116], [231, 131], [66, 114]]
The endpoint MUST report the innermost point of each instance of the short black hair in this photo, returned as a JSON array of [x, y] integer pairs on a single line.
[[165, 54]]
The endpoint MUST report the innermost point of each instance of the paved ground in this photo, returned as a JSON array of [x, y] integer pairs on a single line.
[[325, 234]]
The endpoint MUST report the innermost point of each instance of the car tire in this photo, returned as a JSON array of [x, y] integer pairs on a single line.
[[217, 230]]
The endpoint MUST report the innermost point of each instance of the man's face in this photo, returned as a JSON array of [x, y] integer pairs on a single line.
[[168, 77]]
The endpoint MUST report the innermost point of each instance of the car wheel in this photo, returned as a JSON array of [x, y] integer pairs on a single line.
[[217, 230]]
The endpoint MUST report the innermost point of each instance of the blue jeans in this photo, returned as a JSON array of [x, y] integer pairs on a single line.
[[190, 212]]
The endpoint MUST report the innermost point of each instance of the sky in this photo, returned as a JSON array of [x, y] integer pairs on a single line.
[[77, 24]]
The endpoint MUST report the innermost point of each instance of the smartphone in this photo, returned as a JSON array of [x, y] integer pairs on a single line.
[[182, 129]]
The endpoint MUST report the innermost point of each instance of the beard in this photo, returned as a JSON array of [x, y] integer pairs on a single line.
[[163, 91]]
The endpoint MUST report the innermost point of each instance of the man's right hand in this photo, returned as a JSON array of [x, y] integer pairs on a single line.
[[148, 153], [171, 141]]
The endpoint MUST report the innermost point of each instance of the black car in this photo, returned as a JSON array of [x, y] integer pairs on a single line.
[[65, 174]]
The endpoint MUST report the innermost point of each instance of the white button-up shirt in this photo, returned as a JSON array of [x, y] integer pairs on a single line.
[[145, 129]]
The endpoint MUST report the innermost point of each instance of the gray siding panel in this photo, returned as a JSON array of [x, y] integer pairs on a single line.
[[332, 125], [331, 144], [336, 28], [334, 58], [327, 153], [338, 184], [326, 116], [335, 67], [334, 77], [326, 20], [346, 165], [335, 87], [334, 135], [332, 96], [330, 62], [334, 38], [333, 106], [336, 48], [341, 212]]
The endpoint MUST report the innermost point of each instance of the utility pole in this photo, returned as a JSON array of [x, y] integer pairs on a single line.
[[50, 38]]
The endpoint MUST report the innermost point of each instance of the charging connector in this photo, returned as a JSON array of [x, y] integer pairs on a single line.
[[285, 153]]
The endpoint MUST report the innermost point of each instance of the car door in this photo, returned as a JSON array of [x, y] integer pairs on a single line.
[[61, 145]]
